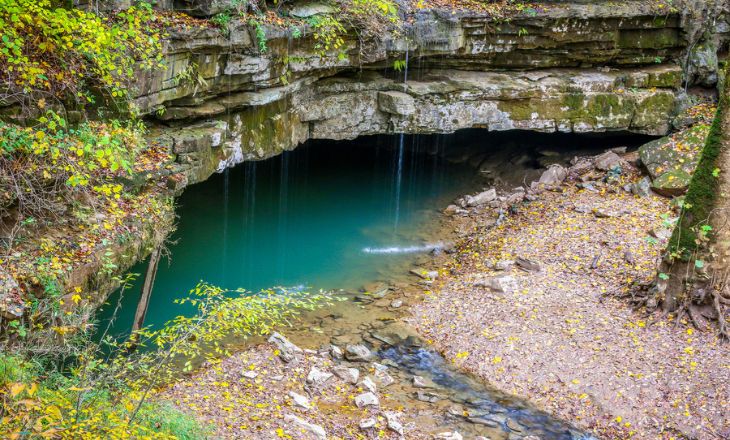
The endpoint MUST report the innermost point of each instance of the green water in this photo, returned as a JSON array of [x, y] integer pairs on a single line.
[[336, 215], [325, 216]]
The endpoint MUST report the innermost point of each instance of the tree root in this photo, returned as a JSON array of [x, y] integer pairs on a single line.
[[722, 324]]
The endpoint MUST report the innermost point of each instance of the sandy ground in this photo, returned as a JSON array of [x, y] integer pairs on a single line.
[[562, 337]]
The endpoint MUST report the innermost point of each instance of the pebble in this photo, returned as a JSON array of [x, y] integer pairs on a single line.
[[368, 423], [396, 304], [250, 374]]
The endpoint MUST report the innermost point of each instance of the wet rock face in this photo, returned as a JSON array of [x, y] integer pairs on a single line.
[[574, 67]]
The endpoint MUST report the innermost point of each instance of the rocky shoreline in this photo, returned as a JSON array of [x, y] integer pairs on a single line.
[[537, 304]]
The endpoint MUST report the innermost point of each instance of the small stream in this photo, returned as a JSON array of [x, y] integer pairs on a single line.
[[355, 216]]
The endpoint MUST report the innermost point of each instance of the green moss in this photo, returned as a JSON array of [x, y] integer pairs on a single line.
[[703, 189]]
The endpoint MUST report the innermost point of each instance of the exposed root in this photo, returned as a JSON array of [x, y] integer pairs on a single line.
[[721, 317]]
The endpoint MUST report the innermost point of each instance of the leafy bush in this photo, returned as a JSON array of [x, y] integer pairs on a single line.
[[109, 393], [49, 51]]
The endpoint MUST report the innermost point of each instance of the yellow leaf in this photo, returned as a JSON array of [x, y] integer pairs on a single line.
[[16, 389]]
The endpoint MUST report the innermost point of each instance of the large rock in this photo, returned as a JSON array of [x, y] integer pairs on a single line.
[[672, 160], [310, 9], [358, 353], [482, 198]]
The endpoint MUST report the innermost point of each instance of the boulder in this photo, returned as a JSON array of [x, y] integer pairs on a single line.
[[481, 198], [287, 350], [607, 161], [309, 430], [554, 175]]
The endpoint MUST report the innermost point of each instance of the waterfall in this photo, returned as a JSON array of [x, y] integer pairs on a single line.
[[225, 221], [399, 169], [283, 208], [249, 216]]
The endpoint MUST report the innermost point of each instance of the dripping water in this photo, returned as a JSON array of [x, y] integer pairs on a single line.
[[399, 169], [225, 220]]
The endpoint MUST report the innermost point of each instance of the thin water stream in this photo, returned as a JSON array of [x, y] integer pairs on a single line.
[[323, 217]]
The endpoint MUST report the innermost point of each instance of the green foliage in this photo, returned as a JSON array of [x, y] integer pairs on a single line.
[[108, 392], [328, 33], [260, 34], [60, 52], [399, 65]]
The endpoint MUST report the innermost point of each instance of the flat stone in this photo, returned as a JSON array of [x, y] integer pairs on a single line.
[[482, 198], [250, 374], [396, 304], [448, 436], [504, 283], [367, 399], [310, 9], [358, 353], [425, 396], [302, 425], [299, 400]]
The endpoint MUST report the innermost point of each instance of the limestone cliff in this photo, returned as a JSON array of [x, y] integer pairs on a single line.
[[569, 66]]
